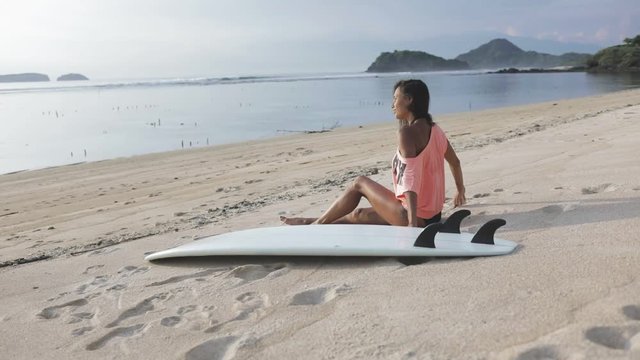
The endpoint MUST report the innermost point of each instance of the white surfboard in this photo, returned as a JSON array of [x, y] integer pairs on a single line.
[[346, 240]]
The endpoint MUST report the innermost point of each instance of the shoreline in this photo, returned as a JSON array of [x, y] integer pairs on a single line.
[[268, 140], [564, 174], [132, 114]]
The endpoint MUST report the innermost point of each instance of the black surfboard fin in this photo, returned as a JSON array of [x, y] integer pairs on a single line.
[[486, 232], [452, 224], [427, 237]]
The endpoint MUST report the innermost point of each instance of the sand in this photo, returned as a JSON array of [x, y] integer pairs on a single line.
[[564, 174]]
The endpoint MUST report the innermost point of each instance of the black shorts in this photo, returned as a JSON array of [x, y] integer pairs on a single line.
[[433, 220]]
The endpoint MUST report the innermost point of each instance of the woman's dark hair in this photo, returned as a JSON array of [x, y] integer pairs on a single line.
[[418, 91]]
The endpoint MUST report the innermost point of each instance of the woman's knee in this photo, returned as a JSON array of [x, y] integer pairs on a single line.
[[359, 182]]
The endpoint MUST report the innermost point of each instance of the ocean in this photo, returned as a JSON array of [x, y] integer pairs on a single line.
[[56, 123]]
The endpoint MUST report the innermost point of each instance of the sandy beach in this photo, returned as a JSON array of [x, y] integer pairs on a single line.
[[565, 175]]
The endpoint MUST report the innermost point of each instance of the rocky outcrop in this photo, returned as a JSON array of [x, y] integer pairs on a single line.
[[72, 77], [407, 60]]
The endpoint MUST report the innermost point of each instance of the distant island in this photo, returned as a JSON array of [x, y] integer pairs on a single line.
[[26, 77], [72, 77], [407, 60], [496, 54], [501, 53], [619, 58]]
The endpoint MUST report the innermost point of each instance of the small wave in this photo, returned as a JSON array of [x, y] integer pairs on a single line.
[[195, 81], [201, 81]]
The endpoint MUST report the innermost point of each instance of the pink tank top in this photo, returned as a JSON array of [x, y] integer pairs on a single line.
[[423, 174]]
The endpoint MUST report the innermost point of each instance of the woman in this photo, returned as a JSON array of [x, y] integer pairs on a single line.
[[418, 172]]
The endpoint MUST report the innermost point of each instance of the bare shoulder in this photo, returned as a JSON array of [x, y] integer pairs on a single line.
[[407, 141]]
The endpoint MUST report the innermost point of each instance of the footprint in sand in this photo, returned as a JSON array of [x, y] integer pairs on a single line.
[[249, 304], [632, 312], [140, 309], [53, 312], [319, 295], [122, 332], [91, 268], [81, 331], [97, 282], [117, 287], [252, 272], [186, 309], [170, 321], [131, 270], [612, 337], [608, 187], [78, 317], [102, 281], [617, 337], [215, 349], [539, 353]]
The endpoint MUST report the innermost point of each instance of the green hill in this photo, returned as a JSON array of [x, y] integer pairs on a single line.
[[501, 53], [407, 60], [619, 58]]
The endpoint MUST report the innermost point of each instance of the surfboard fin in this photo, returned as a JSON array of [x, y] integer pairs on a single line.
[[486, 232], [427, 237], [452, 224]]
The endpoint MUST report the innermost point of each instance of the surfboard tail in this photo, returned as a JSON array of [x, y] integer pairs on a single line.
[[487, 231], [485, 235]]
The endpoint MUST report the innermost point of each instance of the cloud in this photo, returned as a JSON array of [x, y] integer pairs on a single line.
[[512, 31], [602, 34]]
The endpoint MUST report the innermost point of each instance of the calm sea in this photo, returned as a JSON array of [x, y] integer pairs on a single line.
[[47, 124]]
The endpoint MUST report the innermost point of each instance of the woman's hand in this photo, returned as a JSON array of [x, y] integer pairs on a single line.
[[459, 199], [456, 170]]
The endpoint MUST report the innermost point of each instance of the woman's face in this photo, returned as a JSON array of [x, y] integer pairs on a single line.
[[401, 105]]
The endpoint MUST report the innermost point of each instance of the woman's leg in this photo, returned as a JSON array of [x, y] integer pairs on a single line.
[[386, 210], [357, 216], [384, 204]]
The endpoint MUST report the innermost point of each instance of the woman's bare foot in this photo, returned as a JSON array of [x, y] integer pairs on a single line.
[[297, 221]]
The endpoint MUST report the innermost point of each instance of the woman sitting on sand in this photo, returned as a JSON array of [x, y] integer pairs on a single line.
[[418, 172]]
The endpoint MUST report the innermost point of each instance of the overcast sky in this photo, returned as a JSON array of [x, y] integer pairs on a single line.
[[168, 38]]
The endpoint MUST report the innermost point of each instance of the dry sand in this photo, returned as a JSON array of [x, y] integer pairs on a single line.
[[564, 174]]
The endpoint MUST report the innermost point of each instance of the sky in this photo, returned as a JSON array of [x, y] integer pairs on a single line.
[[121, 39]]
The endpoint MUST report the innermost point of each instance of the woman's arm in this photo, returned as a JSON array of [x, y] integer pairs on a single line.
[[407, 147], [412, 208], [456, 170]]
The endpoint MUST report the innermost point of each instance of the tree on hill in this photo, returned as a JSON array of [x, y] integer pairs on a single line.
[[500, 53], [632, 41], [618, 58]]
